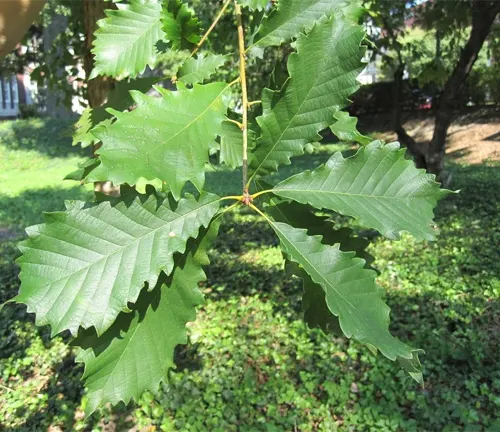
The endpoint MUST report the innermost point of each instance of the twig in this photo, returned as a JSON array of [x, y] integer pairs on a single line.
[[216, 21], [254, 103], [244, 90], [6, 388], [237, 123]]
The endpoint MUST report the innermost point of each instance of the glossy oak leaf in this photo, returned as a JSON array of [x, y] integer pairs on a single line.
[[180, 25], [126, 39], [322, 76], [84, 265], [118, 99], [350, 289], [200, 69], [292, 17], [154, 327], [137, 352], [377, 186], [231, 144], [166, 138]]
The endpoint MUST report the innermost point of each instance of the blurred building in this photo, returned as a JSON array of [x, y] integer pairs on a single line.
[[16, 91]]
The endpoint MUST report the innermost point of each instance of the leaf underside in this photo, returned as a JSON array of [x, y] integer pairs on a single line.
[[84, 265], [157, 323], [377, 186], [322, 76], [167, 138], [126, 39], [350, 289]]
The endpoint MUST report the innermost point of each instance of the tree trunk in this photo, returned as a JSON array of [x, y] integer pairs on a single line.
[[98, 88], [397, 125], [54, 97], [483, 15]]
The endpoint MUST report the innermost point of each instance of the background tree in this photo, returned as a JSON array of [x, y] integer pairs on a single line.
[[459, 30]]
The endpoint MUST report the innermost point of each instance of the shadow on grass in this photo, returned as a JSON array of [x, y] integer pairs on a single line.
[[460, 333], [26, 209], [51, 137]]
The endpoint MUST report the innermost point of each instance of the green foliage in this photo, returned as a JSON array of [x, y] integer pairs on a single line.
[[255, 4], [142, 144], [378, 186], [157, 324], [345, 128], [293, 17], [322, 75], [444, 297], [126, 243], [126, 40], [182, 29], [198, 70], [119, 99], [231, 144], [123, 274], [351, 291]]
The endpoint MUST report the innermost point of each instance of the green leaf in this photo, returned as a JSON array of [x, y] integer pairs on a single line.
[[255, 4], [200, 69], [84, 168], [119, 99], [84, 265], [346, 128], [166, 138], [316, 312], [322, 75], [302, 216], [82, 134], [126, 39], [180, 26], [377, 186], [292, 17], [156, 325], [136, 353], [231, 144], [350, 289]]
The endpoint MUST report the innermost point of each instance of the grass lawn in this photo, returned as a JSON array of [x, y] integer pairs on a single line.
[[251, 364]]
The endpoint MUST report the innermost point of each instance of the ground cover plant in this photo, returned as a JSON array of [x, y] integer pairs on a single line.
[[282, 373], [122, 275]]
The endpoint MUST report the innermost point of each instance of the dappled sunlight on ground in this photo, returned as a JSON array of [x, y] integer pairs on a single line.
[[251, 364]]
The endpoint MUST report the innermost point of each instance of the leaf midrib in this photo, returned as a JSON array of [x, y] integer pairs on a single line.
[[283, 24], [136, 239], [287, 128], [349, 194], [327, 283], [130, 45], [164, 143]]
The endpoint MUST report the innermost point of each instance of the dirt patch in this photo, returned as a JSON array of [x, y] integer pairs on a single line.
[[472, 138]]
